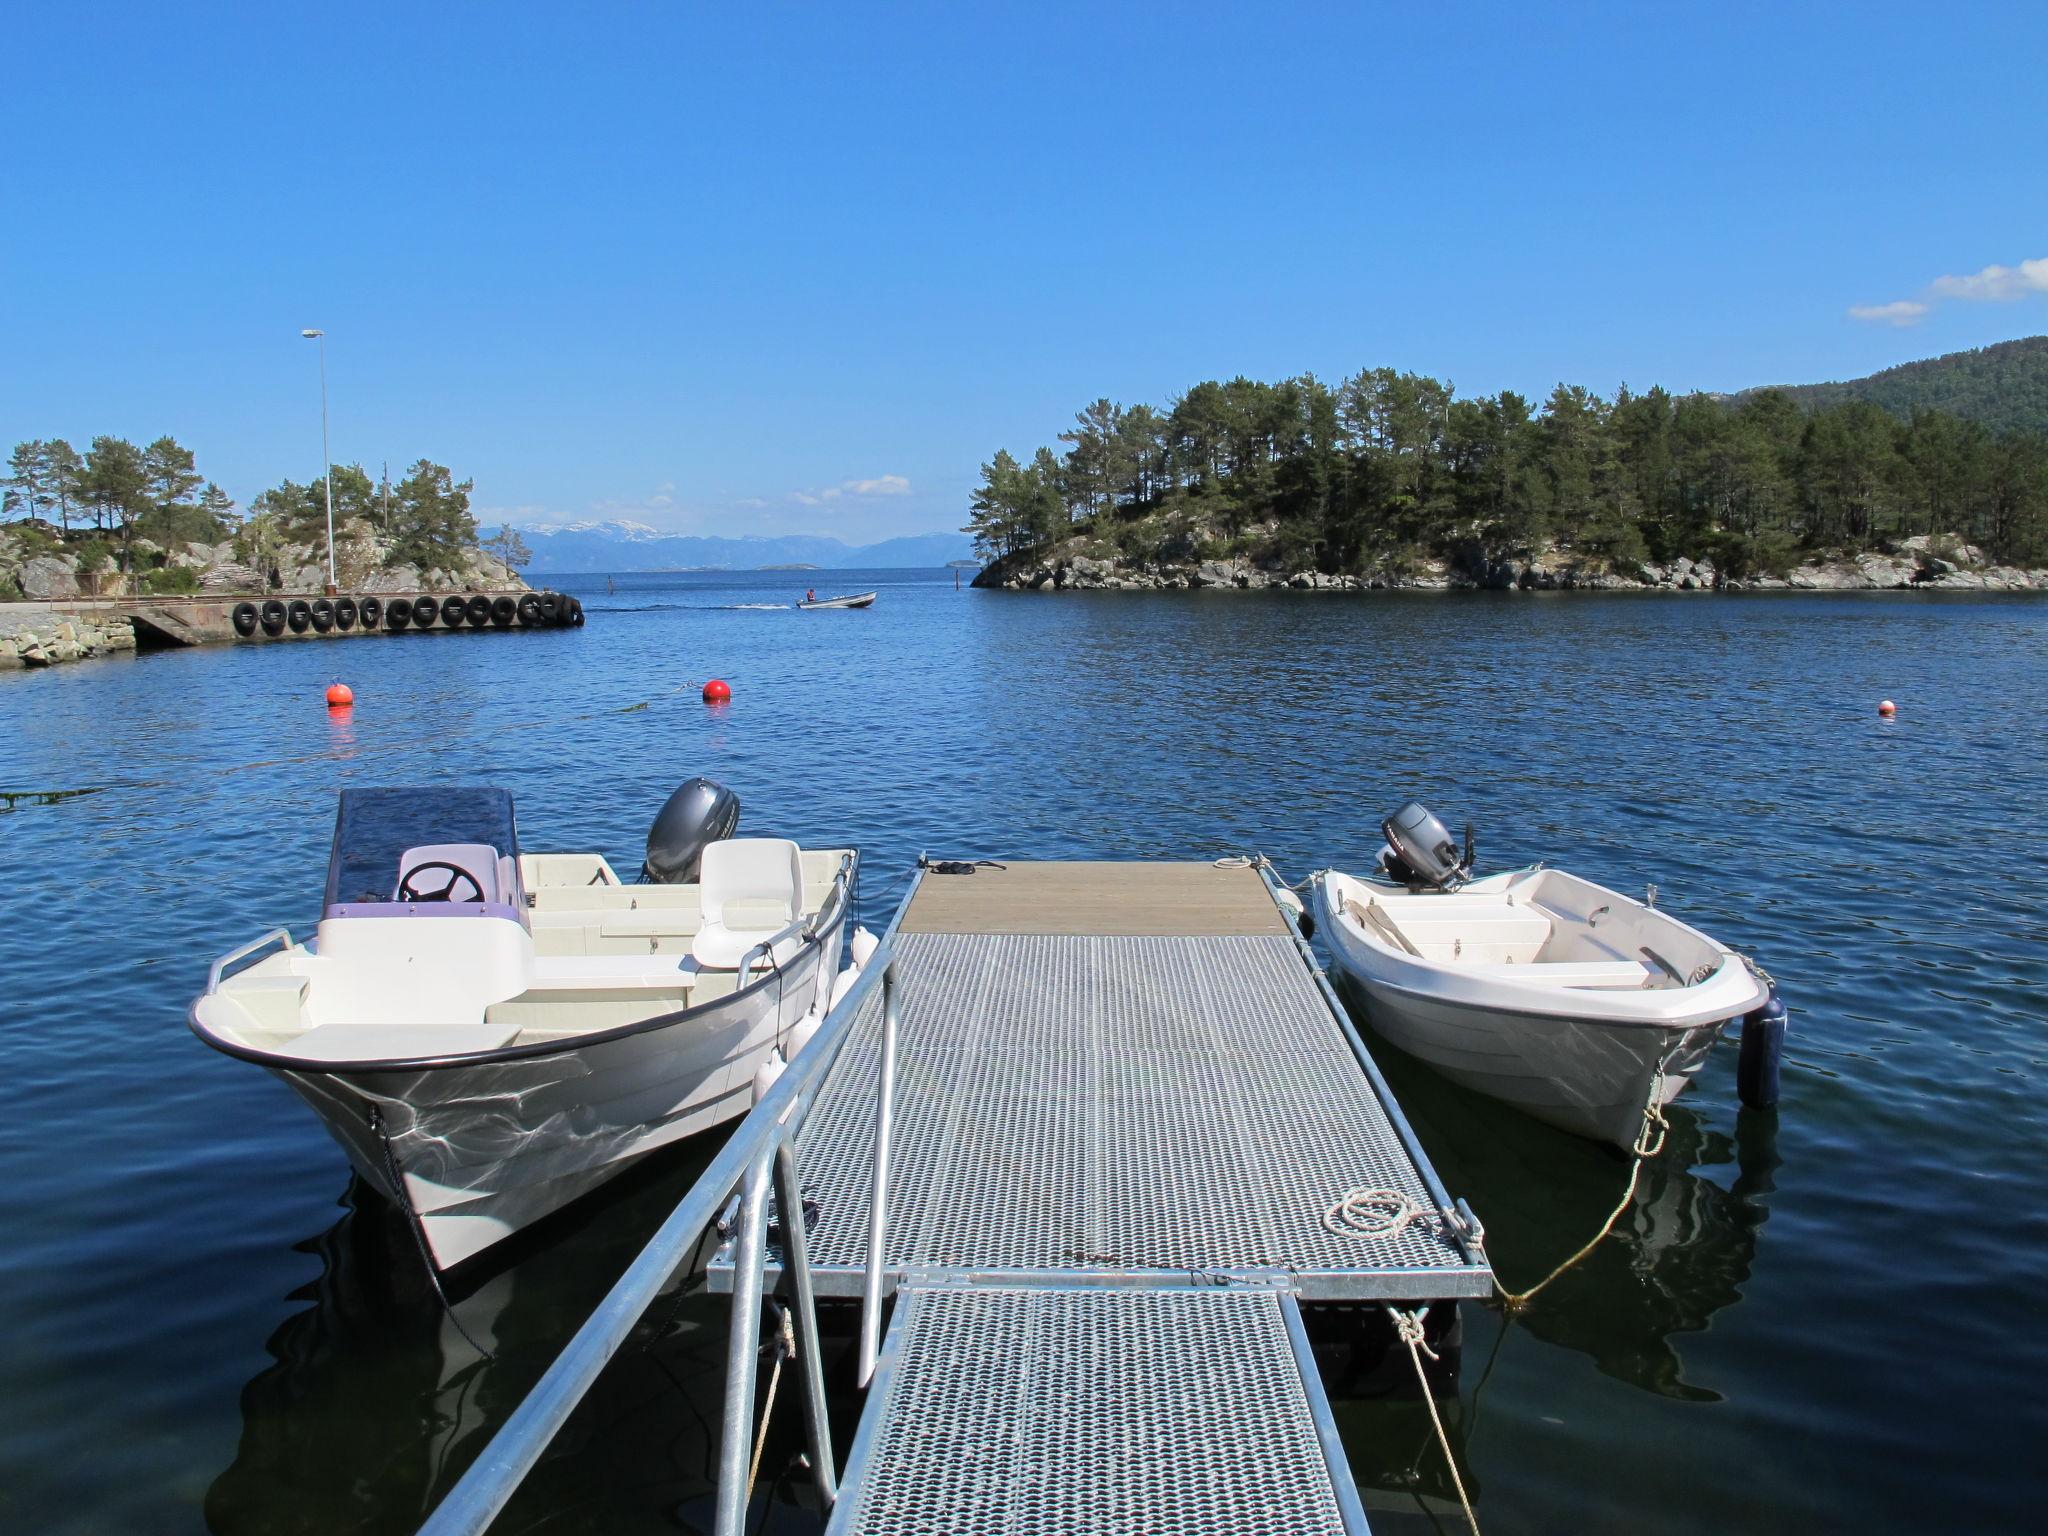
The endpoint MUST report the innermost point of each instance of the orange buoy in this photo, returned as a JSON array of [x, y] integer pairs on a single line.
[[1887, 709], [340, 696], [716, 691]]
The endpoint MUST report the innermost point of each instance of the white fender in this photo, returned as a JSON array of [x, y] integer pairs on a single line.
[[864, 946], [1289, 901], [842, 986], [766, 1074], [800, 1034]]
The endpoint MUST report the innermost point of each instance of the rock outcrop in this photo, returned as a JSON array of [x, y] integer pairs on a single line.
[[43, 571], [44, 639], [1937, 563]]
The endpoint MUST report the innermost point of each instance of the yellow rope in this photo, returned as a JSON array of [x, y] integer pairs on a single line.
[[1649, 1142], [785, 1348], [1409, 1326]]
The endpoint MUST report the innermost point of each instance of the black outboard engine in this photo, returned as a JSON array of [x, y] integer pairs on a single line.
[[700, 813], [1420, 852]]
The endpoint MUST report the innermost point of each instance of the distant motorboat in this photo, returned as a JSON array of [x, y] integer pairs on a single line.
[[851, 600], [490, 1034], [1574, 1003]]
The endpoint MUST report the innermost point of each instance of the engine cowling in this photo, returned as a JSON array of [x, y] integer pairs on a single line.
[[700, 813]]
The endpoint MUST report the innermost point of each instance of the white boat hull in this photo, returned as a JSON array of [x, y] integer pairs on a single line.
[[485, 1149], [1581, 1075], [1588, 1058]]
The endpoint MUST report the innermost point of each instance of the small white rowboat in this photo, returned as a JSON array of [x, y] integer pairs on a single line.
[[1572, 1002]]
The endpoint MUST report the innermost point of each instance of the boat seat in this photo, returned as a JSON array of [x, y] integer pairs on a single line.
[[396, 1042], [753, 888], [1613, 974]]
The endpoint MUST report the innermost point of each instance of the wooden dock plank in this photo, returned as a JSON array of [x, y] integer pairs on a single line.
[[1146, 900]]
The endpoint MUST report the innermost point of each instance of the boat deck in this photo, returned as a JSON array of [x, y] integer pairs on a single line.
[[1124, 1101]]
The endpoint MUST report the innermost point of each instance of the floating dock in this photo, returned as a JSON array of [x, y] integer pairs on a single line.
[[1124, 1101], [1102, 1129]]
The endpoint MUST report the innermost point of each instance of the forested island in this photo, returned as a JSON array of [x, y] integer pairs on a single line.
[[1391, 478], [122, 518]]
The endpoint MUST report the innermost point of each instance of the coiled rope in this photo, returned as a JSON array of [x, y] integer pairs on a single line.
[[1409, 1326], [1381, 1213]]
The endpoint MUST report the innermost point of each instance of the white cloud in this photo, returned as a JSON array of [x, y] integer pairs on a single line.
[[1996, 283], [880, 485], [1903, 312]]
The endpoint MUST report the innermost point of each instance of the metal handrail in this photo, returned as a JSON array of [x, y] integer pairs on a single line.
[[213, 976], [759, 1153], [806, 928]]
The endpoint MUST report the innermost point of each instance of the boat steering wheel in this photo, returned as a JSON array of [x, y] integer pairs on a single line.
[[407, 891]]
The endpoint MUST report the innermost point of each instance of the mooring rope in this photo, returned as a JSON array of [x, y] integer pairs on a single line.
[[418, 1228], [785, 1349], [1365, 1212], [1649, 1142], [1409, 1326]]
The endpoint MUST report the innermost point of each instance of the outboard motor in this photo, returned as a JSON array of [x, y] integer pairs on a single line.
[[1420, 852], [702, 812]]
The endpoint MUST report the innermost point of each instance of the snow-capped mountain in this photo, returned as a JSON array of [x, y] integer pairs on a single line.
[[592, 546]]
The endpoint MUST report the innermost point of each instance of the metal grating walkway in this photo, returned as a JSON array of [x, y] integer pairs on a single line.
[[1015, 1411], [1118, 1104]]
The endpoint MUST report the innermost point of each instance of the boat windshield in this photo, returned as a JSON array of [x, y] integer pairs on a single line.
[[375, 828]]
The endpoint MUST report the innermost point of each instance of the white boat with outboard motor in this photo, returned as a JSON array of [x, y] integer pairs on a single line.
[[850, 600], [490, 1033], [1583, 1007]]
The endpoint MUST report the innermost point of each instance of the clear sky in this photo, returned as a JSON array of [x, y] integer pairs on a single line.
[[752, 269]]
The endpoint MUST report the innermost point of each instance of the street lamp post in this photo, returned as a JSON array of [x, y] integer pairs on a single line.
[[327, 454]]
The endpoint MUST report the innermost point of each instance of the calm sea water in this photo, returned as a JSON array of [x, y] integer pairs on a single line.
[[1830, 1318]]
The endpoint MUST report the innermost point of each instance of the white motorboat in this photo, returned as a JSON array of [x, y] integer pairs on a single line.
[[490, 1034], [1574, 1003], [850, 600]]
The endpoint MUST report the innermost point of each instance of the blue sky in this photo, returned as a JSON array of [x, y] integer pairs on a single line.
[[761, 269]]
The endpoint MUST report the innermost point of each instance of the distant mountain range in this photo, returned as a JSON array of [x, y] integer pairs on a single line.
[[627, 546], [2004, 386]]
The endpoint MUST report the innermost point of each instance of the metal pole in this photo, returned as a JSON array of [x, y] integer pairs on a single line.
[[878, 1201], [327, 454], [743, 1351], [796, 1264]]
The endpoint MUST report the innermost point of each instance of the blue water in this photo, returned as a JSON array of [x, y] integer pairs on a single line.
[[1828, 1319]]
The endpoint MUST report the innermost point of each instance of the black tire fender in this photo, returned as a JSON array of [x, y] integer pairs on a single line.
[[372, 609], [321, 612], [344, 613], [272, 617], [244, 618], [452, 611], [298, 615]]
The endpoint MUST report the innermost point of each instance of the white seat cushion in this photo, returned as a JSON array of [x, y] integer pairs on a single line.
[[752, 889]]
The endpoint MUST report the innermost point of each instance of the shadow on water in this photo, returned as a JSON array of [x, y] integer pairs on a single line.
[[1682, 1252], [378, 1397]]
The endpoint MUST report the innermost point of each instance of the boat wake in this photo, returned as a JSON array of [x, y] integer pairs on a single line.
[[751, 607]]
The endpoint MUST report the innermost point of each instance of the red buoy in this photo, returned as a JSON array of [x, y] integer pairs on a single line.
[[340, 695], [716, 691], [1887, 709]]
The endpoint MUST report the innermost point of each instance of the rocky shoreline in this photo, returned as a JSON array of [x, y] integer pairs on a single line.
[[32, 639], [1915, 566]]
